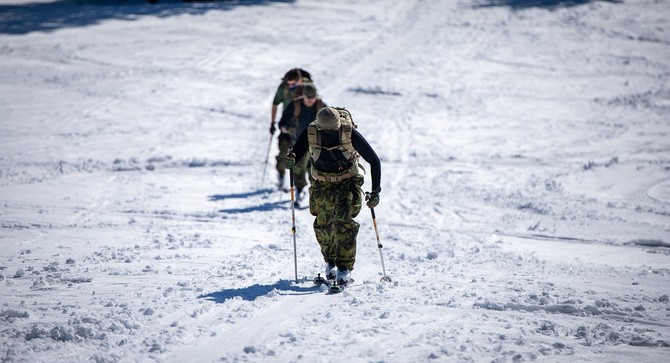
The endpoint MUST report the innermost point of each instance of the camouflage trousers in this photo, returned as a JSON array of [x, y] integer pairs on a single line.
[[335, 205], [301, 167]]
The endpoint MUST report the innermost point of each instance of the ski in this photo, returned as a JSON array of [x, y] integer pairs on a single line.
[[336, 288], [318, 281], [333, 287]]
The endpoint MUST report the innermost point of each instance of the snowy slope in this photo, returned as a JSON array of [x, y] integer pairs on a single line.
[[525, 211]]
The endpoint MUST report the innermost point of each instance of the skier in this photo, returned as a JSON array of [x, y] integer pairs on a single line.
[[289, 88], [297, 115], [334, 146]]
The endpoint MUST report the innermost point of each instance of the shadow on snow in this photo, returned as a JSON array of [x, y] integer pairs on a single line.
[[547, 4], [216, 197], [256, 208], [263, 207], [253, 292], [59, 14]]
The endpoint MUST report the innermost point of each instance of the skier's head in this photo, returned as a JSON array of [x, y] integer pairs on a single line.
[[328, 119], [309, 91], [309, 95], [293, 78]]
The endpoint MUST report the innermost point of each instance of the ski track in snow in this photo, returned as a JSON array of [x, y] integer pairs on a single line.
[[525, 211]]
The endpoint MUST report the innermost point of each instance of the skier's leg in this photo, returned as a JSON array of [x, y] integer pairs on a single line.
[[300, 173], [320, 206], [346, 229], [283, 142]]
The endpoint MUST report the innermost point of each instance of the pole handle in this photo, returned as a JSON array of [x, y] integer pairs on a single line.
[[372, 210]]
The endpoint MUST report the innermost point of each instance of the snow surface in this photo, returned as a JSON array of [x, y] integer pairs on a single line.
[[525, 211]]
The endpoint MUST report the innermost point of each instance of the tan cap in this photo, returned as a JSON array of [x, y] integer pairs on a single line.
[[328, 119]]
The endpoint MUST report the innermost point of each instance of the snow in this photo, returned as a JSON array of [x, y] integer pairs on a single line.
[[525, 204]]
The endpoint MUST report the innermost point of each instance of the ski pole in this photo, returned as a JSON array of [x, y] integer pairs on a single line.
[[295, 253], [267, 156], [379, 243]]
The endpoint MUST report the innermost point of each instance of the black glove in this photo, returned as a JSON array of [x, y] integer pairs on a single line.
[[289, 160], [272, 128], [372, 198]]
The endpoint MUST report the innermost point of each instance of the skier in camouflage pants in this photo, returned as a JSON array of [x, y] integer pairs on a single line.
[[335, 205], [334, 147]]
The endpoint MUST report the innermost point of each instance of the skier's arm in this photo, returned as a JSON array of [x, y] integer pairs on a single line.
[[274, 113], [300, 147], [365, 150], [276, 101]]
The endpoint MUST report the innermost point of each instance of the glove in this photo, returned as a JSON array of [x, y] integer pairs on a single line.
[[289, 160], [272, 128], [372, 198]]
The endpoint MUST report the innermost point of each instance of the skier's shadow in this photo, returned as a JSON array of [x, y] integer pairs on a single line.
[[251, 293], [255, 208], [264, 193], [215, 197], [546, 4]]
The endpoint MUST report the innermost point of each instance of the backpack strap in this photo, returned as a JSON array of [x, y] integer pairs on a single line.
[[287, 92], [297, 105], [314, 140], [345, 134]]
